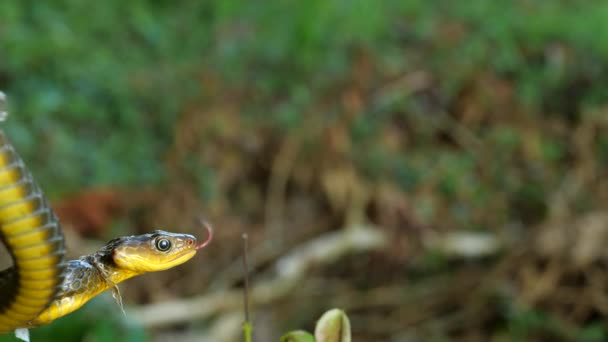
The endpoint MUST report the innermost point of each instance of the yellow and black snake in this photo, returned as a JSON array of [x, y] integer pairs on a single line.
[[42, 286]]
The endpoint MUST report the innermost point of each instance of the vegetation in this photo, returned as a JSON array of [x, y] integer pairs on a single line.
[[427, 119], [333, 326]]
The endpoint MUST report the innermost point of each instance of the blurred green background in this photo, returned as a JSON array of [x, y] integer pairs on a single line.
[[445, 125]]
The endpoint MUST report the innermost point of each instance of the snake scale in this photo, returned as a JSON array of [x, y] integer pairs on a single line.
[[42, 286]]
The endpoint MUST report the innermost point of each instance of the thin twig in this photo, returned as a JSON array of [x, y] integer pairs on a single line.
[[247, 325], [246, 276], [282, 167]]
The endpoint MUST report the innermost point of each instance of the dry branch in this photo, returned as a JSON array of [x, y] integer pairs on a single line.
[[291, 270]]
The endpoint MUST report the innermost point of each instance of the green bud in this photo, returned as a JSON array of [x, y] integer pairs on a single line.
[[297, 336], [333, 327]]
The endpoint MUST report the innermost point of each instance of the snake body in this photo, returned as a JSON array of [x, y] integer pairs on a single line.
[[42, 286], [32, 234]]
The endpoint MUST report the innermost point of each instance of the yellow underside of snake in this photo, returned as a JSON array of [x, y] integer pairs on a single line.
[[42, 286]]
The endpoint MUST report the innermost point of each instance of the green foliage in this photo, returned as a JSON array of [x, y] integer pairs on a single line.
[[593, 332], [98, 101], [333, 326], [529, 324]]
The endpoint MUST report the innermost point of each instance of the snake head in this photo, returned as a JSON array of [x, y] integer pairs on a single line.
[[152, 252]]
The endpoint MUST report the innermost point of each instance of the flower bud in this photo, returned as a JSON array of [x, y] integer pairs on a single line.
[[333, 326]]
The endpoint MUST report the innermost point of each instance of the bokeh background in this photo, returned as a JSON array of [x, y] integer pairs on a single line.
[[435, 168]]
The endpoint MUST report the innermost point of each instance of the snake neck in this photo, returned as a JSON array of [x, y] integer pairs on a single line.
[[84, 279], [107, 269]]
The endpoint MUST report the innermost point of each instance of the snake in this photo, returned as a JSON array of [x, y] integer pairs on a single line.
[[42, 285]]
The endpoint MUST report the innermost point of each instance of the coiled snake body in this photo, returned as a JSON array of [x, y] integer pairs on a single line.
[[42, 286]]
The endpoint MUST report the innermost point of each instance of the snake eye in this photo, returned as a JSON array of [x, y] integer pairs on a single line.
[[163, 245]]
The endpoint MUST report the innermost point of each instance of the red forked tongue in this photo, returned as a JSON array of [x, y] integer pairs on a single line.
[[209, 234]]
